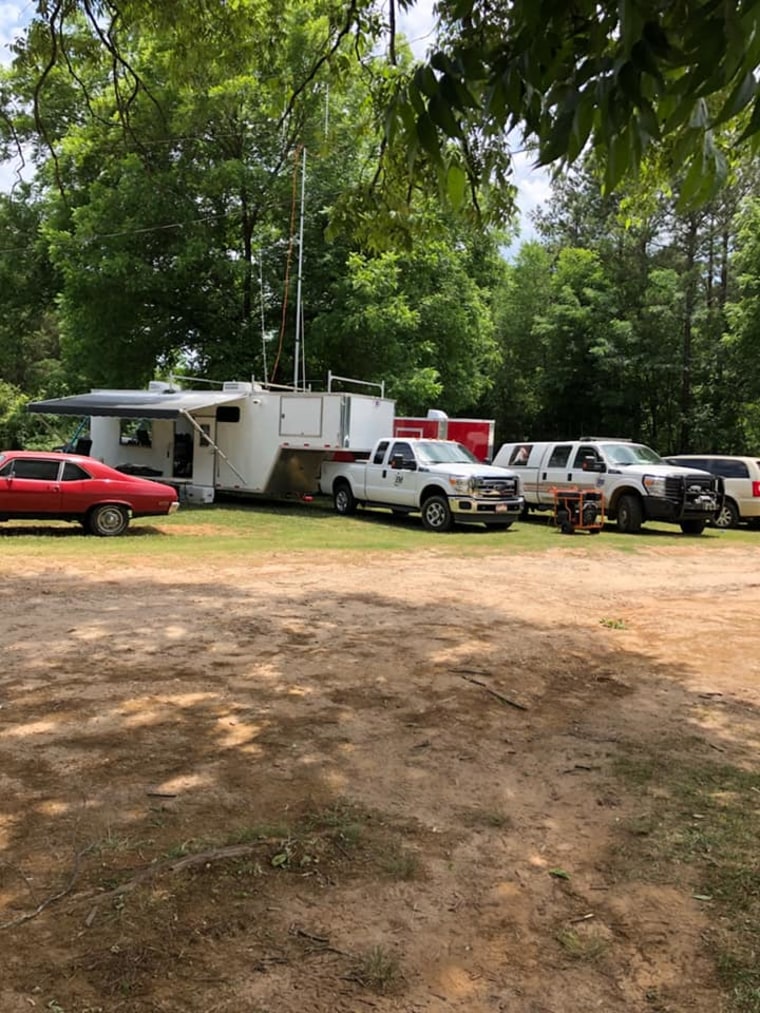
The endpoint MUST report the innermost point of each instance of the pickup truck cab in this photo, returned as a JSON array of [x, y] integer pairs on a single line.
[[440, 479], [638, 485]]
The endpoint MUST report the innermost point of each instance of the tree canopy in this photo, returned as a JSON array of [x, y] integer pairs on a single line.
[[616, 76], [160, 230]]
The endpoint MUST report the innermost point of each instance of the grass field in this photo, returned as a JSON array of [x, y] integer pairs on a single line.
[[302, 527]]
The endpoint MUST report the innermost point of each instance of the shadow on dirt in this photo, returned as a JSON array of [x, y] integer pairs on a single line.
[[161, 720]]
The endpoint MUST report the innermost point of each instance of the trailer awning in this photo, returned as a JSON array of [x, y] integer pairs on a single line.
[[134, 404]]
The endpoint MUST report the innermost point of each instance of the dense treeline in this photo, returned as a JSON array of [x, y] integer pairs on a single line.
[[159, 233]]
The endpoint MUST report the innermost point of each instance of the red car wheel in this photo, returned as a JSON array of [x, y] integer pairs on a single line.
[[108, 520]]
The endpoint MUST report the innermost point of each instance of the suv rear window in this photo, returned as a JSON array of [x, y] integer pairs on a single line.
[[728, 468]]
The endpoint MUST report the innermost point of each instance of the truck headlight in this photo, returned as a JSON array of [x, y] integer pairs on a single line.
[[460, 485], [654, 485]]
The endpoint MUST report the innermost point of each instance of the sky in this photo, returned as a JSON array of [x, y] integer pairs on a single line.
[[418, 26], [12, 16]]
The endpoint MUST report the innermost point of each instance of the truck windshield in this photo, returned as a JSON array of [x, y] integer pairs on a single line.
[[440, 452], [631, 453]]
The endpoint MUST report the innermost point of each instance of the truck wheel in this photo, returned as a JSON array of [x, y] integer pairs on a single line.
[[693, 527], [436, 514], [629, 515], [343, 499], [728, 517], [108, 520]]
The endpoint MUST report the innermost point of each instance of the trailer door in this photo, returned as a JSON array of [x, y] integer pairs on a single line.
[[204, 454]]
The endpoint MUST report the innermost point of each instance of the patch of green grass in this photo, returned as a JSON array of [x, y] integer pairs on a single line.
[[582, 946], [344, 822], [400, 863], [379, 970], [700, 829], [613, 624]]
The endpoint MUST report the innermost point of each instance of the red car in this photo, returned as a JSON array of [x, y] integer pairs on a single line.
[[35, 485]]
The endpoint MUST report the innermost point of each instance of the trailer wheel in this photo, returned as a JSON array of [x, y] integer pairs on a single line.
[[108, 520], [693, 527], [629, 515], [344, 500], [436, 514]]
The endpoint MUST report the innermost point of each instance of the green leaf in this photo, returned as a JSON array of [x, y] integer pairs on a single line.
[[441, 114], [559, 873], [740, 97], [426, 81], [428, 136], [456, 184]]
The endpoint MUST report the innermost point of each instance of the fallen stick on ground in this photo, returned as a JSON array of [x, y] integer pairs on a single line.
[[487, 688]]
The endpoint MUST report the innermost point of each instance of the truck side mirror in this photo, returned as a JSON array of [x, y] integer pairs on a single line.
[[397, 461]]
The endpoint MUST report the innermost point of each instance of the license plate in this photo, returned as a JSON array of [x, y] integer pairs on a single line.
[[501, 508]]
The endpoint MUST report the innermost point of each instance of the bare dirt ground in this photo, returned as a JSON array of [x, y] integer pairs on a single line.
[[341, 783]]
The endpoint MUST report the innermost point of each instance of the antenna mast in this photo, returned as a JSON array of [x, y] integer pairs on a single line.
[[296, 357]]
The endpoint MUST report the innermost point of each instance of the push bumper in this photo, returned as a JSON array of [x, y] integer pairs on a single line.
[[486, 511]]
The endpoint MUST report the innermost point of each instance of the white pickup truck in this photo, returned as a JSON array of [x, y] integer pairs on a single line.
[[637, 484], [439, 479]]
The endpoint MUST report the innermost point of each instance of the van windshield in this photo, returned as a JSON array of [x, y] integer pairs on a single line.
[[631, 453], [431, 452]]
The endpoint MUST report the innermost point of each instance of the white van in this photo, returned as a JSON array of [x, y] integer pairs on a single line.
[[741, 477], [637, 484]]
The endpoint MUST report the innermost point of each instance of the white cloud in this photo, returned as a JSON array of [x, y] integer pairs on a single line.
[[533, 191], [418, 25], [12, 20]]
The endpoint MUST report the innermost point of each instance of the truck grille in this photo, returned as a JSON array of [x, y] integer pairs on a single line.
[[689, 487], [495, 487]]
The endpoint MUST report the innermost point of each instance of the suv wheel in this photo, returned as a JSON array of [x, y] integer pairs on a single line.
[[728, 517]]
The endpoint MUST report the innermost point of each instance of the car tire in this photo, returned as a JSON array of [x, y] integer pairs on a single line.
[[343, 499], [693, 527], [108, 520], [629, 515], [436, 514], [728, 516]]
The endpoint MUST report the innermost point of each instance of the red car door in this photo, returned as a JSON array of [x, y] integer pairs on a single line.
[[78, 489], [29, 485]]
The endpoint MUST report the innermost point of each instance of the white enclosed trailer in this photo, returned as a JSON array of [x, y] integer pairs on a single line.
[[246, 437]]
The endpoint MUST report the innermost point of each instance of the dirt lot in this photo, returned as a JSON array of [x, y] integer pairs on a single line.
[[346, 783]]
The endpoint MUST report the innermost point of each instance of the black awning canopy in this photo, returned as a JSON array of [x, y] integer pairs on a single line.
[[137, 404]]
